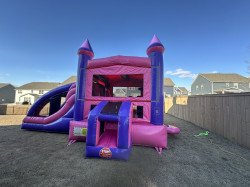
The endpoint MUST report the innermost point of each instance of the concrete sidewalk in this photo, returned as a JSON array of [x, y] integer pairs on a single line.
[[43, 159]]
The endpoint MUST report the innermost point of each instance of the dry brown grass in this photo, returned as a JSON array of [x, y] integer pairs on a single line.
[[11, 119]]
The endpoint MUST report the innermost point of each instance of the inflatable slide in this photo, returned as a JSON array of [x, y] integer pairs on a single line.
[[59, 114]]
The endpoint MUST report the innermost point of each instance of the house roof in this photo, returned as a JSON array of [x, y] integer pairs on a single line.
[[120, 90], [183, 89], [39, 86], [3, 85], [69, 80], [224, 77], [168, 82]]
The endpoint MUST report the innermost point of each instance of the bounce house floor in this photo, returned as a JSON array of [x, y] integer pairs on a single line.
[[43, 159], [108, 139]]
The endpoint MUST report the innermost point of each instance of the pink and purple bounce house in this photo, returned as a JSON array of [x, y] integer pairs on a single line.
[[116, 102]]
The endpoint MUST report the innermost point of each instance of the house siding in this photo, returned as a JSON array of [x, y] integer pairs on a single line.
[[7, 94], [223, 85], [207, 86], [168, 90], [19, 96]]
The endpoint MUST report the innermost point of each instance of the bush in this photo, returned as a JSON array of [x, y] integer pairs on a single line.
[[25, 103]]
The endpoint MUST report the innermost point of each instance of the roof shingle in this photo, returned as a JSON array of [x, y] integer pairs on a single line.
[[69, 80], [39, 86], [224, 77], [168, 82], [183, 89]]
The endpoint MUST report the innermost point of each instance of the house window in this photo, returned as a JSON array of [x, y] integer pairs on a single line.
[[197, 87], [202, 86], [19, 91], [236, 85], [27, 99], [227, 84], [31, 91], [41, 91], [131, 88]]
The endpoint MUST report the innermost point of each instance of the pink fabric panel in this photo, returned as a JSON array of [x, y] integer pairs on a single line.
[[119, 70], [87, 106], [70, 93], [72, 86], [108, 139], [39, 120], [81, 124], [119, 60], [149, 135], [146, 111], [173, 130]]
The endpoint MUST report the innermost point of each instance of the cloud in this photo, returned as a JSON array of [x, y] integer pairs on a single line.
[[214, 72], [181, 73]]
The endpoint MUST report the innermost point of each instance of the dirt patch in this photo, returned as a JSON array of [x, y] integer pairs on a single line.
[[43, 159], [11, 119]]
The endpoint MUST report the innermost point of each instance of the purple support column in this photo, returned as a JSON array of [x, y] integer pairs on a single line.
[[85, 53], [155, 53]]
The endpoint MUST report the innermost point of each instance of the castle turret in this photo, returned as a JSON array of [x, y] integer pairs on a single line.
[[155, 53], [85, 53]]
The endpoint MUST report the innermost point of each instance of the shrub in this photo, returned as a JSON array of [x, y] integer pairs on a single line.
[[25, 103]]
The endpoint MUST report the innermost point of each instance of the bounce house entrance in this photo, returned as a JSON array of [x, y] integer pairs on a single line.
[[108, 134], [109, 125]]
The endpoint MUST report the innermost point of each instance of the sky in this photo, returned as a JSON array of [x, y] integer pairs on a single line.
[[39, 39]]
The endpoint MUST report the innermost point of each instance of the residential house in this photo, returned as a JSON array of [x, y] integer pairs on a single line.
[[215, 83], [7, 93], [120, 92], [32, 91], [168, 88], [134, 92], [180, 91]]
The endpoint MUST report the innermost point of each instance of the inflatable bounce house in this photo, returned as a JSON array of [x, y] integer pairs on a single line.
[[116, 102]]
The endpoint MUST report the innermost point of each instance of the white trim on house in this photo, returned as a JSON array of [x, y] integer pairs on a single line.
[[204, 77]]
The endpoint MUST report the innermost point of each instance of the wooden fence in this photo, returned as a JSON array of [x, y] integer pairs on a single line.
[[19, 109], [227, 114]]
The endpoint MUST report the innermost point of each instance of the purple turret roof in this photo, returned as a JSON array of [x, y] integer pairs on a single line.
[[155, 39], [86, 45], [155, 45]]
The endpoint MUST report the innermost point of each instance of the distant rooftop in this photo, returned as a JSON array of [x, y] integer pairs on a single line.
[[4, 84], [39, 86], [183, 89], [168, 82], [69, 80], [224, 77]]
